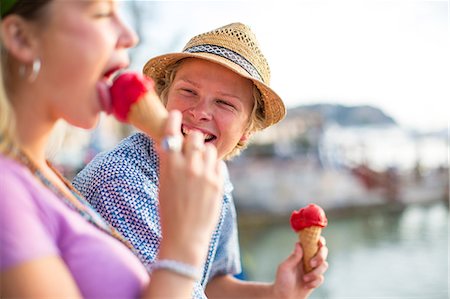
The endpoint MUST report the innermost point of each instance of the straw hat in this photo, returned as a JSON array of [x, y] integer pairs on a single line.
[[233, 46]]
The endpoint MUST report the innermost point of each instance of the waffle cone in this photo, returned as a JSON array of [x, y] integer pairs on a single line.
[[149, 115], [309, 239]]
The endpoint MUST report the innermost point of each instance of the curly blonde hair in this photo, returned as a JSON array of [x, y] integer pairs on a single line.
[[257, 116]]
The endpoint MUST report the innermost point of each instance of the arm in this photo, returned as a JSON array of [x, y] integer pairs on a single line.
[[190, 199], [40, 278], [290, 281], [226, 286], [226, 259], [29, 262]]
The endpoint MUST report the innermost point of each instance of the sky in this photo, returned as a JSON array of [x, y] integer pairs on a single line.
[[392, 54]]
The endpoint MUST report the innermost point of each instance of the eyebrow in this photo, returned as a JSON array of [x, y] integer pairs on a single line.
[[189, 81], [220, 92], [230, 96]]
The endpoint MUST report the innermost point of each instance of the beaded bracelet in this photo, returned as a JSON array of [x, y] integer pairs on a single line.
[[178, 267]]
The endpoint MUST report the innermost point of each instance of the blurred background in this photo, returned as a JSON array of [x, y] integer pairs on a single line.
[[366, 135]]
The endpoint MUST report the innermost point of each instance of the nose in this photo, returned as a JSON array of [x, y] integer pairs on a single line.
[[201, 111], [128, 37]]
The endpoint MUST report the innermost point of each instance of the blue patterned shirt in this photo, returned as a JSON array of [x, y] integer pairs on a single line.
[[122, 184]]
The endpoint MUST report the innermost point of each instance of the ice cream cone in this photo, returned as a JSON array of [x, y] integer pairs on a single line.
[[149, 115], [308, 223], [309, 239], [134, 101]]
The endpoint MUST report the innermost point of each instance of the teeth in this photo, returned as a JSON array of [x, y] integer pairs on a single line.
[[187, 131]]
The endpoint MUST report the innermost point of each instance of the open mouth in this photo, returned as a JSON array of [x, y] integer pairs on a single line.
[[206, 137], [111, 74]]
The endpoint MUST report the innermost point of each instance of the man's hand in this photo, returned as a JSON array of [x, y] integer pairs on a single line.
[[292, 282]]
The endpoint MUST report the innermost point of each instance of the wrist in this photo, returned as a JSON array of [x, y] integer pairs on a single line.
[[192, 255], [178, 268]]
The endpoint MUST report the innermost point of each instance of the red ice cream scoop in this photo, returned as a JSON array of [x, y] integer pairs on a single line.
[[126, 90], [312, 215], [133, 100]]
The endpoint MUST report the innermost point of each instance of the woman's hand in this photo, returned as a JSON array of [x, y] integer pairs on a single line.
[[191, 183]]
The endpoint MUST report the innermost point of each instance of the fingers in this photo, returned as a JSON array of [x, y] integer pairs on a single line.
[[172, 142], [190, 191], [321, 255], [297, 254], [312, 282], [173, 124], [194, 143], [293, 261], [193, 148], [322, 241], [315, 278]]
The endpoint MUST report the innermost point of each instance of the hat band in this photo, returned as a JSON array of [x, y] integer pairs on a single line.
[[227, 54]]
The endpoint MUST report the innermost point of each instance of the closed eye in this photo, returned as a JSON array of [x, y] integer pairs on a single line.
[[187, 91], [104, 10], [225, 103]]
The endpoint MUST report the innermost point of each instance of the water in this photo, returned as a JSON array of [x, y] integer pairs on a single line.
[[375, 255]]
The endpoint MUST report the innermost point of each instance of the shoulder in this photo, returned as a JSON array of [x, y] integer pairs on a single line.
[[138, 143], [24, 210], [128, 156], [133, 149], [14, 176], [133, 163], [20, 192]]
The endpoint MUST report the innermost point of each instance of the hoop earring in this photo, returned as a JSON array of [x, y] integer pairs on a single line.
[[35, 68]]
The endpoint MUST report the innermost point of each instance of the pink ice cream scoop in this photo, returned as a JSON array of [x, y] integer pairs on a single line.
[[308, 223], [312, 215], [133, 100]]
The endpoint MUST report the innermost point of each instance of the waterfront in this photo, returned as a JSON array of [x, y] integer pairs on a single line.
[[378, 254]]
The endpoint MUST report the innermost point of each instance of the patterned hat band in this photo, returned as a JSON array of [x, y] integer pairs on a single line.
[[227, 54]]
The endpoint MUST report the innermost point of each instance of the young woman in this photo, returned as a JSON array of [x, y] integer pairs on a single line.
[[57, 56]]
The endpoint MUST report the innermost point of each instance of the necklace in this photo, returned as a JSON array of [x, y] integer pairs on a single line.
[[78, 203]]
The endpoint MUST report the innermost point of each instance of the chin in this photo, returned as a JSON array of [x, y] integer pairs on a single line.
[[93, 123], [87, 123]]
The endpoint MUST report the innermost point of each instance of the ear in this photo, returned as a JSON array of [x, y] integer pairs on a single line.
[[18, 38], [245, 137]]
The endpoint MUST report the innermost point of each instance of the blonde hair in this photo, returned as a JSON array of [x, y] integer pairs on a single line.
[[8, 142], [257, 117]]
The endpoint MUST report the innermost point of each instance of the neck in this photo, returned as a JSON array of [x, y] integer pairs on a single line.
[[35, 148], [33, 143], [34, 127]]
